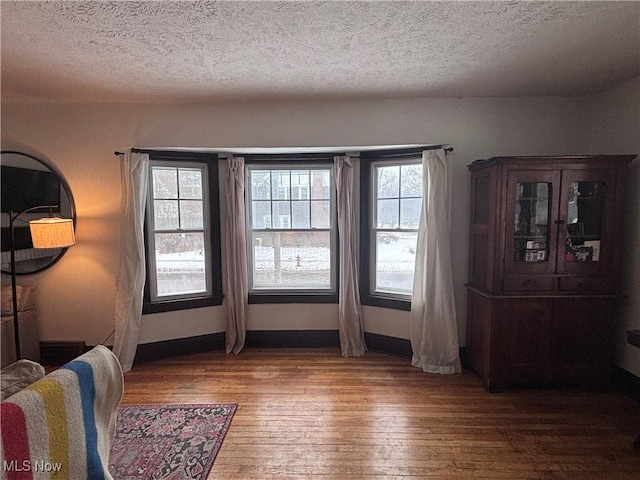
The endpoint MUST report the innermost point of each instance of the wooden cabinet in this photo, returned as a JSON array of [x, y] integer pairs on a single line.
[[545, 262]]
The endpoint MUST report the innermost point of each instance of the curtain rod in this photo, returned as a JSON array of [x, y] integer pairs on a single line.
[[402, 152], [431, 147], [135, 150]]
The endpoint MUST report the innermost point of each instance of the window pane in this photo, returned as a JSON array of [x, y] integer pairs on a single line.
[[300, 192], [261, 214], [291, 260], [300, 214], [300, 184], [180, 263], [411, 181], [191, 216], [190, 183], [320, 184], [182, 238], [388, 181], [410, 212], [281, 215], [280, 185], [297, 199], [320, 214], [397, 205], [299, 177], [395, 260], [387, 214], [260, 185], [165, 214], [165, 182]]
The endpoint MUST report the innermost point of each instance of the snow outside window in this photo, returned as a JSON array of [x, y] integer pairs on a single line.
[[179, 244], [291, 228], [397, 200]]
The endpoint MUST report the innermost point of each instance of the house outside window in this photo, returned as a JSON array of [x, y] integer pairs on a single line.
[[183, 253], [391, 202], [291, 232]]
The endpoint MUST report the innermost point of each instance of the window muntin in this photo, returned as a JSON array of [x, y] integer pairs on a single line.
[[396, 204], [179, 232], [291, 229]]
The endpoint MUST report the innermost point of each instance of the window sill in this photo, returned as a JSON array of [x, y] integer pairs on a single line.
[[173, 305], [289, 297], [386, 302]]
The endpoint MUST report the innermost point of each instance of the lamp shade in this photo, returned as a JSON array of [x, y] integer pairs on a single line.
[[52, 232]]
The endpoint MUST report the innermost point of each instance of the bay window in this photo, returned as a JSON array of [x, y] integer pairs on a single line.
[[183, 252], [291, 232], [391, 201]]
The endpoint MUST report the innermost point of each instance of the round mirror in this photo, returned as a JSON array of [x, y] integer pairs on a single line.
[[27, 183]]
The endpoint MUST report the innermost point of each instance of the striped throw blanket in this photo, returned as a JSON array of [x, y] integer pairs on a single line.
[[62, 426]]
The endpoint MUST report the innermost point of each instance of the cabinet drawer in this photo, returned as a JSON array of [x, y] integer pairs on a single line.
[[586, 284], [521, 283]]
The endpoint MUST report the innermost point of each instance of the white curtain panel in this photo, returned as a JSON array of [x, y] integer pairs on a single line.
[[134, 172], [351, 327], [434, 332], [236, 258]]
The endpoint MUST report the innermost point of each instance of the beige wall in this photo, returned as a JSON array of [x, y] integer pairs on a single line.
[[76, 294], [616, 129]]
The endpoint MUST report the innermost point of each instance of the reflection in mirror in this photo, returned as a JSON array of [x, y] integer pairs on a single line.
[[29, 182]]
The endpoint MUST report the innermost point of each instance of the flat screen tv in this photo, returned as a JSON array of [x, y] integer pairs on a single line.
[[44, 190]]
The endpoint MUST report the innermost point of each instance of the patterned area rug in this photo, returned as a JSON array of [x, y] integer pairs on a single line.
[[168, 441]]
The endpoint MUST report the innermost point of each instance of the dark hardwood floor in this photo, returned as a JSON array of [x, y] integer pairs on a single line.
[[310, 413]]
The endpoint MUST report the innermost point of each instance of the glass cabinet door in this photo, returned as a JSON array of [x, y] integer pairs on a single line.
[[531, 210], [531, 222], [585, 230], [584, 221]]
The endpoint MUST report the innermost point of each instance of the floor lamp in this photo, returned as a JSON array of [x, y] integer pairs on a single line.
[[49, 232]]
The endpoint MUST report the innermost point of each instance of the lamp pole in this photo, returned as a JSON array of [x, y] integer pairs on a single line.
[[14, 293], [12, 255]]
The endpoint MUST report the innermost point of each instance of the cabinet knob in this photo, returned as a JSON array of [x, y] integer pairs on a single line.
[[529, 282]]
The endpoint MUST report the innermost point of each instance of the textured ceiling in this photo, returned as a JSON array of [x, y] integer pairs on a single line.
[[208, 51]]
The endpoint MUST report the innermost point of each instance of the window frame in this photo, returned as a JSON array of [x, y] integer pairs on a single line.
[[211, 213], [368, 184], [292, 163]]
